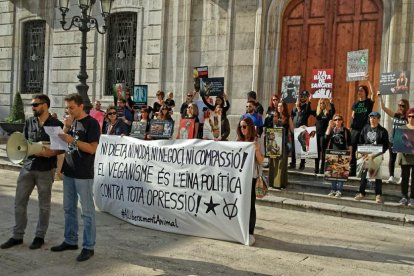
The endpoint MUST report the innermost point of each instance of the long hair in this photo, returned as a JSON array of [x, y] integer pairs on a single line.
[[167, 115], [251, 131], [406, 106], [271, 104], [284, 115], [195, 109], [327, 107]]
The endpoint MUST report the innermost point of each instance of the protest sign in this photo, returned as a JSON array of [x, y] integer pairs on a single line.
[[290, 88], [212, 126], [161, 128], [186, 129], [322, 83], [212, 87], [305, 142], [369, 148], [140, 96], [192, 187], [366, 162], [403, 141], [357, 65], [138, 130], [274, 142], [337, 165], [395, 82], [200, 72]]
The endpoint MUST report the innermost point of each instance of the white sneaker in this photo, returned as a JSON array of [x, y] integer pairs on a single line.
[[399, 181], [392, 179], [338, 194], [252, 240], [332, 193]]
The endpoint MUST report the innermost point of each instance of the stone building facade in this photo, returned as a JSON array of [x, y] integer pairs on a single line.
[[239, 40]]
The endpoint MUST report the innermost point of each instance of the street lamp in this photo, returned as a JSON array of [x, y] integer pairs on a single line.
[[85, 23]]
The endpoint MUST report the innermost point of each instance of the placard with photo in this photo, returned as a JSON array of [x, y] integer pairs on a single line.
[[138, 130], [403, 141], [140, 96], [186, 129], [395, 82], [305, 142], [161, 128], [290, 88], [274, 142], [212, 126], [337, 165], [212, 87], [357, 65]]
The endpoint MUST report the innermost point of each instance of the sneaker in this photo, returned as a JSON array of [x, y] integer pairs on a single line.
[[11, 242], [64, 246], [399, 181], [85, 255], [411, 202], [338, 194], [359, 196], [252, 240], [37, 243], [321, 172], [403, 201], [332, 193], [379, 199], [392, 179]]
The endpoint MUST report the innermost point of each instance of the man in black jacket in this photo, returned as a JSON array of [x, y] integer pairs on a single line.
[[38, 170], [373, 134]]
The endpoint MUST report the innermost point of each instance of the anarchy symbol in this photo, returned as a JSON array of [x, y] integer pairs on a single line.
[[230, 212]]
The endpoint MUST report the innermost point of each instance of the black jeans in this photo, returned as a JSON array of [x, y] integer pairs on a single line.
[[252, 220], [405, 176], [364, 181], [391, 162], [321, 142], [354, 142]]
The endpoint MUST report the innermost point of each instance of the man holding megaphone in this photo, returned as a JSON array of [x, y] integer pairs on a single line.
[[38, 170]]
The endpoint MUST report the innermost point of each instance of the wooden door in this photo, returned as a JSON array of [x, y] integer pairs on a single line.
[[318, 34]]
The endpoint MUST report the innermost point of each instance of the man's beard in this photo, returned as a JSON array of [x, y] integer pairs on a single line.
[[37, 113]]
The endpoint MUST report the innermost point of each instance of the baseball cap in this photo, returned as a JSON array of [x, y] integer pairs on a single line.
[[304, 93], [375, 114]]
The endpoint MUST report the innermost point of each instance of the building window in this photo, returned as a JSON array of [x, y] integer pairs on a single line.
[[120, 61], [33, 61]]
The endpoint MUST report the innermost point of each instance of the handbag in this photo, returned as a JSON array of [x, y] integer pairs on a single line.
[[261, 185]]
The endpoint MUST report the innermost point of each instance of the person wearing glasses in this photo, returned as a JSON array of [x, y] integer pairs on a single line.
[[37, 170], [406, 161], [338, 137], [274, 100], [398, 119], [192, 113], [183, 108], [113, 125], [246, 132], [158, 103], [256, 117]]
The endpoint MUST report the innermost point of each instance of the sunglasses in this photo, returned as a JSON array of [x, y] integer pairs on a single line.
[[401, 105], [337, 119], [274, 100], [111, 113], [190, 96], [243, 126], [410, 116], [36, 104]]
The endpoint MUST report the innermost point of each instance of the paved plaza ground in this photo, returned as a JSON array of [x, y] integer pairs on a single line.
[[287, 243]]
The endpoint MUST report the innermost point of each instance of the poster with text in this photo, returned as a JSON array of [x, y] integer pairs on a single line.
[[186, 129], [161, 128], [290, 88], [305, 142], [198, 74], [357, 65], [140, 96], [395, 82], [337, 165], [274, 142], [138, 130], [212, 87], [212, 126], [191, 187], [403, 141], [322, 83]]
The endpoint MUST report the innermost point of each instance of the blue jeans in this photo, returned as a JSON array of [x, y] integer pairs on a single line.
[[72, 189], [337, 186]]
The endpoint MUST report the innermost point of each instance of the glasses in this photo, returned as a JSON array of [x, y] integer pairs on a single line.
[[275, 100], [243, 126], [249, 106], [157, 95], [190, 96], [36, 104], [337, 119], [189, 107], [410, 116], [111, 113], [401, 105]]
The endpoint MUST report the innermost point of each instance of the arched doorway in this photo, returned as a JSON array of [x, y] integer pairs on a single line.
[[318, 34]]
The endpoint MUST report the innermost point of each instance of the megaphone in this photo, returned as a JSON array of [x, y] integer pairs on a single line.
[[18, 148]]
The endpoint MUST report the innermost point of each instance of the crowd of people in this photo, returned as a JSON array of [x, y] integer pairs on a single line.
[[82, 132]]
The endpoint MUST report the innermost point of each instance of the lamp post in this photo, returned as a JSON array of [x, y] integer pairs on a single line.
[[85, 23]]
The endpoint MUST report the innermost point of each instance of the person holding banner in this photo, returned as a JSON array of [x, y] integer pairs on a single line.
[[398, 119], [81, 132], [338, 138], [113, 125], [360, 111], [373, 134], [246, 132], [406, 161], [324, 113]]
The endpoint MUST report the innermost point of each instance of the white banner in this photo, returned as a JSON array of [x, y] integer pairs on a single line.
[[193, 187]]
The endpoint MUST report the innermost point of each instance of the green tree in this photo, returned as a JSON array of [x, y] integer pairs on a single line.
[[17, 112]]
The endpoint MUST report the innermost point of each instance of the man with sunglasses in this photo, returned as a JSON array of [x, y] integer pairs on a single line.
[[37, 170]]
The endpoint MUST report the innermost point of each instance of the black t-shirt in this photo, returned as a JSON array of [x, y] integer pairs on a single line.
[[79, 164], [170, 103], [339, 139], [361, 111], [397, 121], [35, 133]]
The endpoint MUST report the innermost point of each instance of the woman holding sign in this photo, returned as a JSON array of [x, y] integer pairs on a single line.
[[398, 119], [192, 113], [246, 132], [407, 165]]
